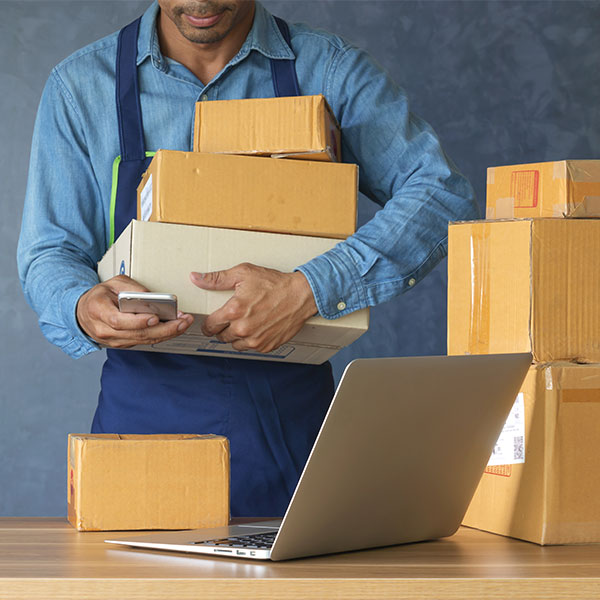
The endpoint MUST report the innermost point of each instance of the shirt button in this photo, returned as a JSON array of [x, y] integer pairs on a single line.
[[412, 281], [204, 97], [341, 306]]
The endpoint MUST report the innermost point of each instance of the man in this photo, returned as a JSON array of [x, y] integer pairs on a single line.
[[87, 157]]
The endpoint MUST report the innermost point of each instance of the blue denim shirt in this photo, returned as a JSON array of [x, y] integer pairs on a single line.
[[66, 219]]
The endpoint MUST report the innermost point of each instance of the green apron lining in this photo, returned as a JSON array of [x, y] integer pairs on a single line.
[[113, 195]]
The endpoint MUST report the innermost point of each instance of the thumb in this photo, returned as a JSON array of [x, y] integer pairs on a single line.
[[216, 280]]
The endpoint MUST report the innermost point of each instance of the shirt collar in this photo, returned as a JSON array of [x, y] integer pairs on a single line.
[[264, 37]]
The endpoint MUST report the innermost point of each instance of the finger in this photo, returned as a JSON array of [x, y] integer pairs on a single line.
[[122, 283], [149, 335], [129, 321], [226, 336], [221, 318], [161, 332], [217, 280], [106, 310], [214, 324], [137, 321], [242, 346]]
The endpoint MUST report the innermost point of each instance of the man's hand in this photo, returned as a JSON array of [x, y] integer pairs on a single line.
[[99, 316], [266, 310]]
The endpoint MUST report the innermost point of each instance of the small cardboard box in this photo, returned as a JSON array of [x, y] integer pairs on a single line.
[[238, 192], [530, 285], [161, 256], [294, 127], [564, 188], [548, 491], [170, 481]]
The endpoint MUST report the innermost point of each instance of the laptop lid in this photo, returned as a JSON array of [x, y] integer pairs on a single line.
[[400, 452]]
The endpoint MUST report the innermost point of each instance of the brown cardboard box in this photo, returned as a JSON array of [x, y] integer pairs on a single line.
[[550, 495], [239, 192], [295, 127], [161, 256], [177, 481], [565, 188], [529, 285]]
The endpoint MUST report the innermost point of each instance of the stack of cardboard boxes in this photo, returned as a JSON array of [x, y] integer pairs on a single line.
[[527, 279], [263, 185]]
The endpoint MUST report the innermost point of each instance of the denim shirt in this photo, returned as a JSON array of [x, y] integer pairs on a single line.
[[66, 220]]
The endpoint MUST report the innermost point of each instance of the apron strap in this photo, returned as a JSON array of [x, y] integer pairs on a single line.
[[129, 112], [285, 81]]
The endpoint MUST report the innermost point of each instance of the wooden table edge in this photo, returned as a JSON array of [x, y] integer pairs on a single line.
[[293, 588]]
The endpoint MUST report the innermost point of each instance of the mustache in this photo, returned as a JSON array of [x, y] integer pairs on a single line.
[[202, 9]]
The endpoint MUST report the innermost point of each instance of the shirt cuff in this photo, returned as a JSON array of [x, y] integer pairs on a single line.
[[81, 343], [335, 284]]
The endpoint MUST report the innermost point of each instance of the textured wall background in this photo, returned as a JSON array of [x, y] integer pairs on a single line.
[[501, 82]]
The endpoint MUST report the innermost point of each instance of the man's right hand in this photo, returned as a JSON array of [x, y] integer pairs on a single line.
[[99, 316]]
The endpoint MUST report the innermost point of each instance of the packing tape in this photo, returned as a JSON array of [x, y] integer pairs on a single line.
[[505, 208], [580, 395], [479, 323], [592, 204], [548, 379], [584, 199], [574, 382], [583, 170], [560, 170]]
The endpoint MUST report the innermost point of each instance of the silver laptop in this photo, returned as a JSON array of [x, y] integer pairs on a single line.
[[397, 460]]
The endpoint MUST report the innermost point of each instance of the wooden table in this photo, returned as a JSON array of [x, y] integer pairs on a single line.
[[46, 558]]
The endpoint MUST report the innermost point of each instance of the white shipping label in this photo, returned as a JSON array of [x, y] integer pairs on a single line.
[[146, 200], [510, 447]]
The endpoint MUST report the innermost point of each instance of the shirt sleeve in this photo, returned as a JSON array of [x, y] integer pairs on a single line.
[[403, 168], [63, 232]]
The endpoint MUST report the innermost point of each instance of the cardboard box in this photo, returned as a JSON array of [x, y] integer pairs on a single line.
[[161, 256], [549, 494], [238, 192], [177, 481], [294, 127], [565, 188], [529, 285]]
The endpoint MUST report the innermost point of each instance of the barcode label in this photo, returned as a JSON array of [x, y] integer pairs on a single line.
[[518, 448], [510, 446]]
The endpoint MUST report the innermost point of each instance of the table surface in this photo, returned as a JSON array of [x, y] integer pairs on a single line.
[[47, 558]]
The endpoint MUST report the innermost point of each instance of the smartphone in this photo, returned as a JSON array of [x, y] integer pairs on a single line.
[[162, 305]]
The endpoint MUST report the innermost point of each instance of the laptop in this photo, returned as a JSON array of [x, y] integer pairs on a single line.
[[397, 460]]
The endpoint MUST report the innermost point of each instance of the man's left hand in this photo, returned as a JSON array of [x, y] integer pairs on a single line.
[[267, 309]]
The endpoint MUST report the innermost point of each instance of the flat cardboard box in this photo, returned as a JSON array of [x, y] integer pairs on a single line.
[[293, 127], [548, 492], [564, 188], [530, 285], [239, 192], [161, 256], [166, 481]]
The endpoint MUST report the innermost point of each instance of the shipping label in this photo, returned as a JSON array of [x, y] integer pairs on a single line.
[[510, 446]]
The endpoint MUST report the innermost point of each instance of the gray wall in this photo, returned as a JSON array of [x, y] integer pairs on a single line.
[[501, 82]]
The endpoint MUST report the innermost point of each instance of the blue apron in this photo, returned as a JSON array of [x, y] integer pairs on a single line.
[[271, 412]]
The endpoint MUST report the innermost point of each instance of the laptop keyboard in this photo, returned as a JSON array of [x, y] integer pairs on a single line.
[[255, 541]]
